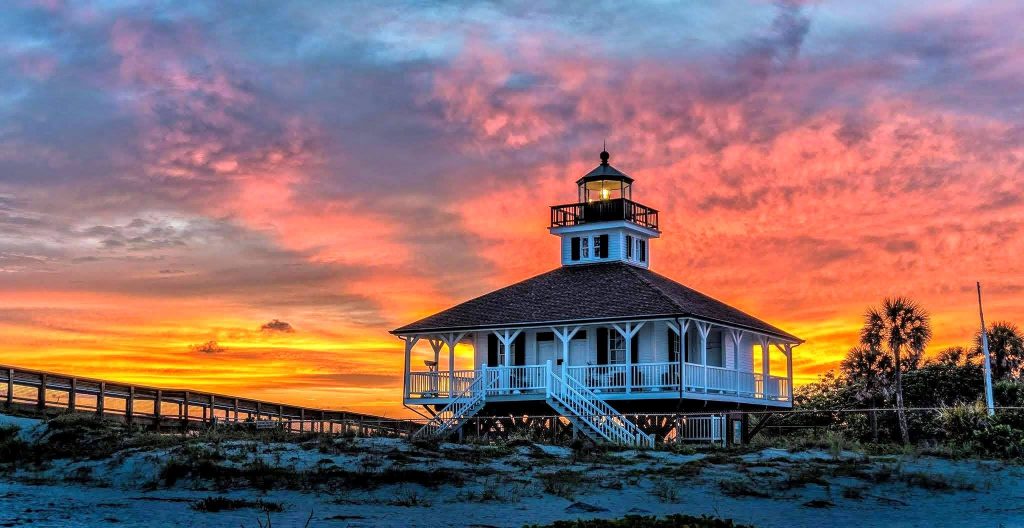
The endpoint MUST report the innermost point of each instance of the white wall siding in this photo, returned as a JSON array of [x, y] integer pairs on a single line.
[[653, 339], [616, 246]]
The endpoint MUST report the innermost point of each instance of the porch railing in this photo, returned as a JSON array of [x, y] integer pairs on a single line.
[[608, 379], [439, 384], [517, 379]]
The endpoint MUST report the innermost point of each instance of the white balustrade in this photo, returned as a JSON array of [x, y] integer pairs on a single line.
[[639, 377], [600, 378]]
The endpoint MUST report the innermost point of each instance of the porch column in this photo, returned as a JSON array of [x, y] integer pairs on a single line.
[[506, 338], [789, 371], [766, 368], [681, 327], [451, 340], [565, 335], [704, 329], [435, 381], [628, 333], [410, 342], [737, 338], [787, 350]]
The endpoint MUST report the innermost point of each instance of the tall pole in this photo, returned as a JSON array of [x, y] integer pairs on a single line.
[[988, 363]]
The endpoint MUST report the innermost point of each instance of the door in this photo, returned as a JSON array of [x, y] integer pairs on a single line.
[[546, 352]]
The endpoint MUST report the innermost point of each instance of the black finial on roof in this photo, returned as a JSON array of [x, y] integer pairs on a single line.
[[604, 153]]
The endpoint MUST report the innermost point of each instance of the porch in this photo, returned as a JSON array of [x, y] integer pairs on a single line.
[[609, 382]]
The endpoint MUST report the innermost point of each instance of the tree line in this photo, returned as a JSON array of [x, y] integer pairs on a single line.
[[888, 369]]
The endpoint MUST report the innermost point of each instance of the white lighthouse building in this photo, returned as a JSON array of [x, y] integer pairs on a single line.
[[597, 337]]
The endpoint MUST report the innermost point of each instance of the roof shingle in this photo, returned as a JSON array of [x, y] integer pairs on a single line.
[[611, 291]]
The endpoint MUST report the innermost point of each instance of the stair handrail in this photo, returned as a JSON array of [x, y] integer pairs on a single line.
[[601, 408], [585, 403], [466, 399]]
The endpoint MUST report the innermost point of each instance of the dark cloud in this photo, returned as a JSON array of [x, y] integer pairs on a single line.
[[209, 347], [277, 326]]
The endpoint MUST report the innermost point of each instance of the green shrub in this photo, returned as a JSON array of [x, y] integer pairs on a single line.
[[12, 447], [961, 421], [1000, 440]]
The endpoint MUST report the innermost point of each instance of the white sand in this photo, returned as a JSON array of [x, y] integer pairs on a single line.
[[119, 495]]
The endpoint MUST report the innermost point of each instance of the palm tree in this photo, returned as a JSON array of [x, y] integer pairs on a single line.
[[901, 326], [870, 372], [958, 356], [1006, 346]]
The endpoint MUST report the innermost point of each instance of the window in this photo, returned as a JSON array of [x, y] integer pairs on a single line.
[[692, 347], [503, 353], [597, 246], [616, 348], [673, 346], [629, 246], [716, 352], [641, 250], [585, 247]]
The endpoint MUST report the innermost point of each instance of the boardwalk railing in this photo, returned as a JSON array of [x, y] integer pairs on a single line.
[[181, 408]]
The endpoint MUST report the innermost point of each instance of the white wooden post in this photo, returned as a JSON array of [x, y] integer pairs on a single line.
[[451, 365], [737, 338], [451, 340], [628, 333], [787, 350], [704, 329], [565, 336], [410, 342], [766, 368], [435, 381], [506, 338], [681, 328], [547, 380], [789, 370]]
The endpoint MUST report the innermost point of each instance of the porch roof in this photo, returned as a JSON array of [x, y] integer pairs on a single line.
[[590, 293]]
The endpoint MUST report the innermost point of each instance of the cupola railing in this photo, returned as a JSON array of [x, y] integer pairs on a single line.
[[604, 211]]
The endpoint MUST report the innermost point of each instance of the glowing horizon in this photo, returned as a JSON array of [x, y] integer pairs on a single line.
[[176, 175]]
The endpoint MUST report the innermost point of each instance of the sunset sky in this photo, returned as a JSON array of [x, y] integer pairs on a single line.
[[179, 173]]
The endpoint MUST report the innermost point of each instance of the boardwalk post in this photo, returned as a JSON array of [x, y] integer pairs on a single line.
[[236, 409], [100, 399], [41, 395], [157, 411], [71, 394], [10, 387], [259, 411], [213, 409], [129, 406], [185, 411], [302, 420]]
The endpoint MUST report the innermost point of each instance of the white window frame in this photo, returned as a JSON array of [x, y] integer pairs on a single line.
[[617, 349], [584, 248], [597, 246], [719, 337], [504, 353]]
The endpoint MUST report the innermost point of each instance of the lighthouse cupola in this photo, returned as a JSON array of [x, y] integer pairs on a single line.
[[605, 224]]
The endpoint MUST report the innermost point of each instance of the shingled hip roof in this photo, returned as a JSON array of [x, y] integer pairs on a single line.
[[590, 293]]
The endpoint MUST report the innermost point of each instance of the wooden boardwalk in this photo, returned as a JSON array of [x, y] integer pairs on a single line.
[[184, 409]]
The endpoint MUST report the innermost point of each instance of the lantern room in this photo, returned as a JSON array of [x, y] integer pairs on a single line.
[[604, 183]]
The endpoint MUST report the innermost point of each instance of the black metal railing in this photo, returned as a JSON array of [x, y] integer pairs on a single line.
[[603, 211]]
